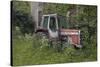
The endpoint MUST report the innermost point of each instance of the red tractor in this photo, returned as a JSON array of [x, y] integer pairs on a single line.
[[54, 28]]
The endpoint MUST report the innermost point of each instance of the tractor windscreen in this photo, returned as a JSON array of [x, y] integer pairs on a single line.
[[45, 22], [62, 22]]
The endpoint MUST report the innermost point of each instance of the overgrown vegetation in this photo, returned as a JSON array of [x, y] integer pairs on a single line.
[[28, 49], [21, 17]]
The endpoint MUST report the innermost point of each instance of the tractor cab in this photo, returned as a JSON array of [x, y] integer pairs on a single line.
[[57, 27], [52, 23]]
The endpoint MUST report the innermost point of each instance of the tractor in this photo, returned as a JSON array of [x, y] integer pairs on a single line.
[[55, 28]]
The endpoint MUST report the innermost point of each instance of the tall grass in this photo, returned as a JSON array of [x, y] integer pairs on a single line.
[[30, 50]]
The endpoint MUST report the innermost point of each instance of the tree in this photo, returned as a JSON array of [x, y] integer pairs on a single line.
[[21, 17]]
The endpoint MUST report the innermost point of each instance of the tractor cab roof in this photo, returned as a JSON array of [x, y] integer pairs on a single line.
[[55, 14], [50, 14], [61, 20]]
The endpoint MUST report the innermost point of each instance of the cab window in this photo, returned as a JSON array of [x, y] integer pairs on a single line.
[[62, 22], [45, 22], [52, 24]]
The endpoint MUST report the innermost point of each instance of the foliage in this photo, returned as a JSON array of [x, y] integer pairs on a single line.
[[32, 52], [60, 9], [21, 17]]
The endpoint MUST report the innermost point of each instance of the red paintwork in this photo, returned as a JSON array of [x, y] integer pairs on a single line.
[[72, 34], [75, 39]]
